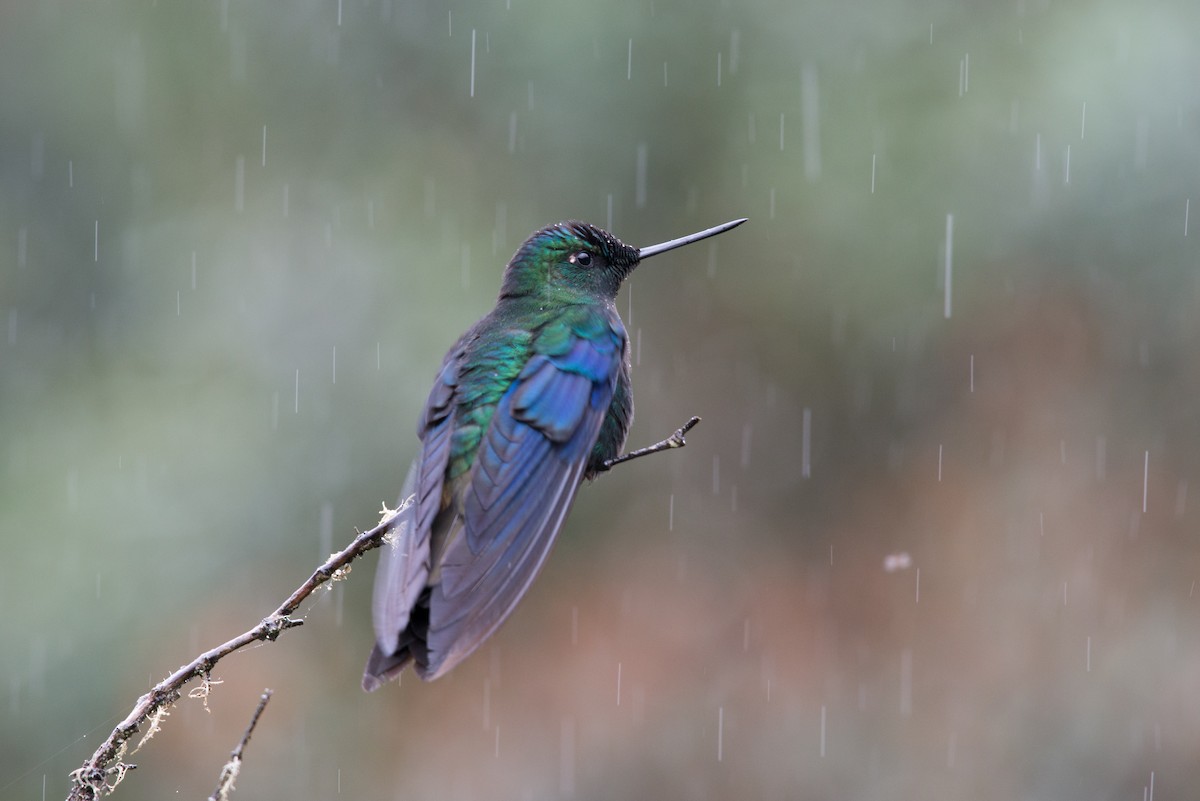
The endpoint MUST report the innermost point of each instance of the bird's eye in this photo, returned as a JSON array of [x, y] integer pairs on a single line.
[[582, 258]]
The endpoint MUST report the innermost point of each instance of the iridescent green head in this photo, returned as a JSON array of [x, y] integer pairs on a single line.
[[572, 261], [569, 259]]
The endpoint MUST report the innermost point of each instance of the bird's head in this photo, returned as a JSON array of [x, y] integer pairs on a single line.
[[569, 260]]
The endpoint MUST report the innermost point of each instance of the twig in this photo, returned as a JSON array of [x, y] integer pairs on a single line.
[[229, 772], [91, 781], [676, 440]]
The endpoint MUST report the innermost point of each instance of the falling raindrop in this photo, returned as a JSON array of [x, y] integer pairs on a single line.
[[1187, 207], [333, 376], [70, 174], [96, 243], [640, 183], [671, 513], [296, 407], [1145, 481], [618, 684], [918, 592], [512, 132], [949, 265], [720, 733], [1083, 120], [629, 63], [873, 173], [37, 158], [574, 625], [22, 246], [325, 530], [472, 62], [1088, 660], [781, 121], [806, 444], [822, 731], [718, 69], [972, 371], [1067, 167], [810, 120], [747, 432], [264, 131]]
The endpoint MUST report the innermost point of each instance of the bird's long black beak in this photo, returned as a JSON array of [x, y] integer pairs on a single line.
[[654, 250]]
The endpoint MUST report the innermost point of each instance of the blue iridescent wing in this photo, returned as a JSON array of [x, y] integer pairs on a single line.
[[524, 479]]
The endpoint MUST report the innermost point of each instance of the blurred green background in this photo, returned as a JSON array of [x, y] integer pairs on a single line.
[[236, 239]]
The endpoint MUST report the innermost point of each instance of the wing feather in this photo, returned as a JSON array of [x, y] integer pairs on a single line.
[[528, 471]]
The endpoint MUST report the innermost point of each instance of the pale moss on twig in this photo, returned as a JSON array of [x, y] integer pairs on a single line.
[[207, 682], [153, 727]]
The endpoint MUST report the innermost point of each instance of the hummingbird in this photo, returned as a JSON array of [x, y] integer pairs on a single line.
[[528, 403]]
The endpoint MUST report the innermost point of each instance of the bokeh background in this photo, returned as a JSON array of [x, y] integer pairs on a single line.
[[236, 239]]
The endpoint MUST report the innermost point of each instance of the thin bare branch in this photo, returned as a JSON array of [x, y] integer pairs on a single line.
[[676, 440], [99, 775], [231, 769]]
